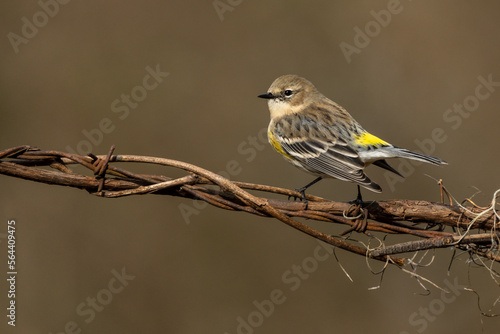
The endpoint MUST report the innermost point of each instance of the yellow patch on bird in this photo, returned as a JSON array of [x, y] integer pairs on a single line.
[[274, 143], [367, 139]]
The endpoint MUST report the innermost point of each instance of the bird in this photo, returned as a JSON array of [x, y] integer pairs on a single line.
[[320, 137]]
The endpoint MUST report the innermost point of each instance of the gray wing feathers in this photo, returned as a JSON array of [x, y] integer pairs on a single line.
[[334, 158]]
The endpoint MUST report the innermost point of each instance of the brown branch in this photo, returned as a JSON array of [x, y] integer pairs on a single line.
[[412, 246], [389, 217]]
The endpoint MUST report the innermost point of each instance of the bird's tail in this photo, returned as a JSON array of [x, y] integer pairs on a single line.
[[404, 153]]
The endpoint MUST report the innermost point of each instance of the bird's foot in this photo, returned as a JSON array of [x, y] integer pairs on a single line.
[[302, 197]]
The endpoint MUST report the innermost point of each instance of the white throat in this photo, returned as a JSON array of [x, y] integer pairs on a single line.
[[279, 108]]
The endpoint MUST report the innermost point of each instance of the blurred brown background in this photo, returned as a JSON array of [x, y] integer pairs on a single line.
[[209, 273]]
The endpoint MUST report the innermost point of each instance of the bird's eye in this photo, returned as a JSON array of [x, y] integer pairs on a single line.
[[288, 92]]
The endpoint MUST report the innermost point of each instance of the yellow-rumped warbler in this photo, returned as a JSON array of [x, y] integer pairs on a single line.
[[317, 135]]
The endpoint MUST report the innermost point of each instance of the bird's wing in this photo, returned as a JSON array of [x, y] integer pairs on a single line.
[[322, 152]]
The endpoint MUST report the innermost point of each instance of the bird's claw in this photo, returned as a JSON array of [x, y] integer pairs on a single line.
[[302, 197]]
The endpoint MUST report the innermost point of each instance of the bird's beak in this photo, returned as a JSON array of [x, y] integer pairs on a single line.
[[266, 96]]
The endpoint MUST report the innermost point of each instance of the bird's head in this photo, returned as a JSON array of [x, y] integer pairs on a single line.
[[289, 94]]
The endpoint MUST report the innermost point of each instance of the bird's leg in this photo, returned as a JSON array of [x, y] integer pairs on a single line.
[[359, 199], [302, 190]]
